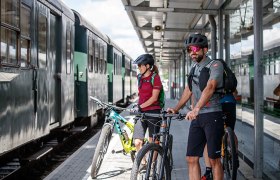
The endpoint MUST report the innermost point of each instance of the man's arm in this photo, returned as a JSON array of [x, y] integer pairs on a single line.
[[184, 98], [205, 97]]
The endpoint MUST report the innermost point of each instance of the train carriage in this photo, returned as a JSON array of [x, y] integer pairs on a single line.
[[126, 76], [90, 61], [115, 87], [35, 72]]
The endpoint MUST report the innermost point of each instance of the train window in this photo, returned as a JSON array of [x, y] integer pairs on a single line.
[[96, 57], [10, 12], [68, 50], [25, 53], [105, 59], [9, 46], [42, 38], [25, 36], [90, 54], [25, 21], [277, 67], [115, 61], [101, 58]]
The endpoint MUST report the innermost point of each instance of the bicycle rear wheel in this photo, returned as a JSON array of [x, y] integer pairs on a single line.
[[152, 170], [101, 149], [230, 155]]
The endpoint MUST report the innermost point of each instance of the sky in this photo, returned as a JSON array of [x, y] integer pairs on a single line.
[[110, 18]]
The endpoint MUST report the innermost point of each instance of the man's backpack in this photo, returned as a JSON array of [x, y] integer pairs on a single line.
[[229, 79], [161, 96]]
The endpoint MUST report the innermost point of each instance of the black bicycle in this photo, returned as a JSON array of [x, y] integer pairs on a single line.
[[229, 154], [154, 161]]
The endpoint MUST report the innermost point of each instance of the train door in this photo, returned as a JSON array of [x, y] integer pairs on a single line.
[[41, 77], [54, 65]]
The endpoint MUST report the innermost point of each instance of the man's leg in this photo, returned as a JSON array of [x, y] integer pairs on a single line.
[[217, 168], [194, 167], [208, 171]]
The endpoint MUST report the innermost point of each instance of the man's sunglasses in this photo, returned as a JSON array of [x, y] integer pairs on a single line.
[[194, 49]]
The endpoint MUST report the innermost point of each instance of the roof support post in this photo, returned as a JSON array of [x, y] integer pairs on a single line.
[[221, 34], [213, 36], [227, 40], [258, 86]]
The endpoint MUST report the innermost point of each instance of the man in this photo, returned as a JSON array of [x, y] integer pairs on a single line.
[[207, 125]]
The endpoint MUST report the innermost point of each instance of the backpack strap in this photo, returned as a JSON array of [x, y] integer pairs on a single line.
[[190, 76], [139, 80], [153, 78]]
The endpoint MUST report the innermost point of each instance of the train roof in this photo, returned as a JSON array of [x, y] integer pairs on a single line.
[[112, 43], [57, 6], [83, 22]]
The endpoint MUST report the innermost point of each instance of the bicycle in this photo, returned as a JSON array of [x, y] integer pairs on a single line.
[[112, 119], [229, 154], [159, 160]]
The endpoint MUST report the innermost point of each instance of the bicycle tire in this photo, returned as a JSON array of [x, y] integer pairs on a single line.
[[230, 155], [135, 172], [169, 153], [101, 149], [132, 155]]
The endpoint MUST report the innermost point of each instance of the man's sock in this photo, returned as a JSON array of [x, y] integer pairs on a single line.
[[208, 170]]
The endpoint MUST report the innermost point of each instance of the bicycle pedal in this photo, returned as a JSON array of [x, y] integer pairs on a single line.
[[117, 152]]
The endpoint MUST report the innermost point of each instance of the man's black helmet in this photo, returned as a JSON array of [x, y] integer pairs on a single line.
[[197, 40], [145, 59]]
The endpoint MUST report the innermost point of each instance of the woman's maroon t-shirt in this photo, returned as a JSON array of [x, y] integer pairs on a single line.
[[145, 90]]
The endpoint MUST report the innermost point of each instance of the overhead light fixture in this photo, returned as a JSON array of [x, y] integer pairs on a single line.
[[165, 9], [157, 28]]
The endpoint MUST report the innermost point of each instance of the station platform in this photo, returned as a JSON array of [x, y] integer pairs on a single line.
[[118, 166]]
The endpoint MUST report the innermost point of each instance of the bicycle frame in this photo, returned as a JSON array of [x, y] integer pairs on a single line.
[[163, 134], [164, 141], [115, 118]]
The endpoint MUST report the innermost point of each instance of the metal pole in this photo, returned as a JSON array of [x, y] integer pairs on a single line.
[[213, 36], [184, 70], [227, 43], [258, 86], [221, 34]]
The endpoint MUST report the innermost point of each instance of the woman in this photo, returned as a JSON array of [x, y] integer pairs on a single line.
[[148, 92]]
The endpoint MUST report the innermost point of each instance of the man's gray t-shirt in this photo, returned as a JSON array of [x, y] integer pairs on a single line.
[[216, 73]]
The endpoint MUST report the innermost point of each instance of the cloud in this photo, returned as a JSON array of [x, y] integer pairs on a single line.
[[110, 17]]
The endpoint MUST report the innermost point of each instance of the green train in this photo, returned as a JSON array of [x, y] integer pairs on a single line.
[[52, 60]]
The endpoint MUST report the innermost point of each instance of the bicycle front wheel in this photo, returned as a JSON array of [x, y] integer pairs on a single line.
[[148, 164], [169, 153], [230, 155], [101, 149]]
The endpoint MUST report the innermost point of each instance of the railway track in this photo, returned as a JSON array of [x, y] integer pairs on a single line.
[[37, 163]]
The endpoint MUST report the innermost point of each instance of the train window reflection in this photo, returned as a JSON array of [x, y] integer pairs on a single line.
[[90, 54], [8, 46], [277, 67], [25, 21], [10, 12], [42, 44], [25, 53], [68, 51], [96, 57]]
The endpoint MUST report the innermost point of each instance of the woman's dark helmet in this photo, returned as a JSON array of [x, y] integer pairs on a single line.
[[145, 59], [197, 40]]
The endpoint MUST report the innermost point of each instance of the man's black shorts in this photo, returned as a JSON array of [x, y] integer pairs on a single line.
[[207, 128]]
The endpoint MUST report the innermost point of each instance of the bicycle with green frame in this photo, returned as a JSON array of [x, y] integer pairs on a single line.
[[112, 120]]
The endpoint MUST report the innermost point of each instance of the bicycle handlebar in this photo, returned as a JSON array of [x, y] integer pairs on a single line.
[[105, 105], [164, 114]]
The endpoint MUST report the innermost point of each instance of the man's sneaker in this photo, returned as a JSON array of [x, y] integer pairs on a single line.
[[207, 177]]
